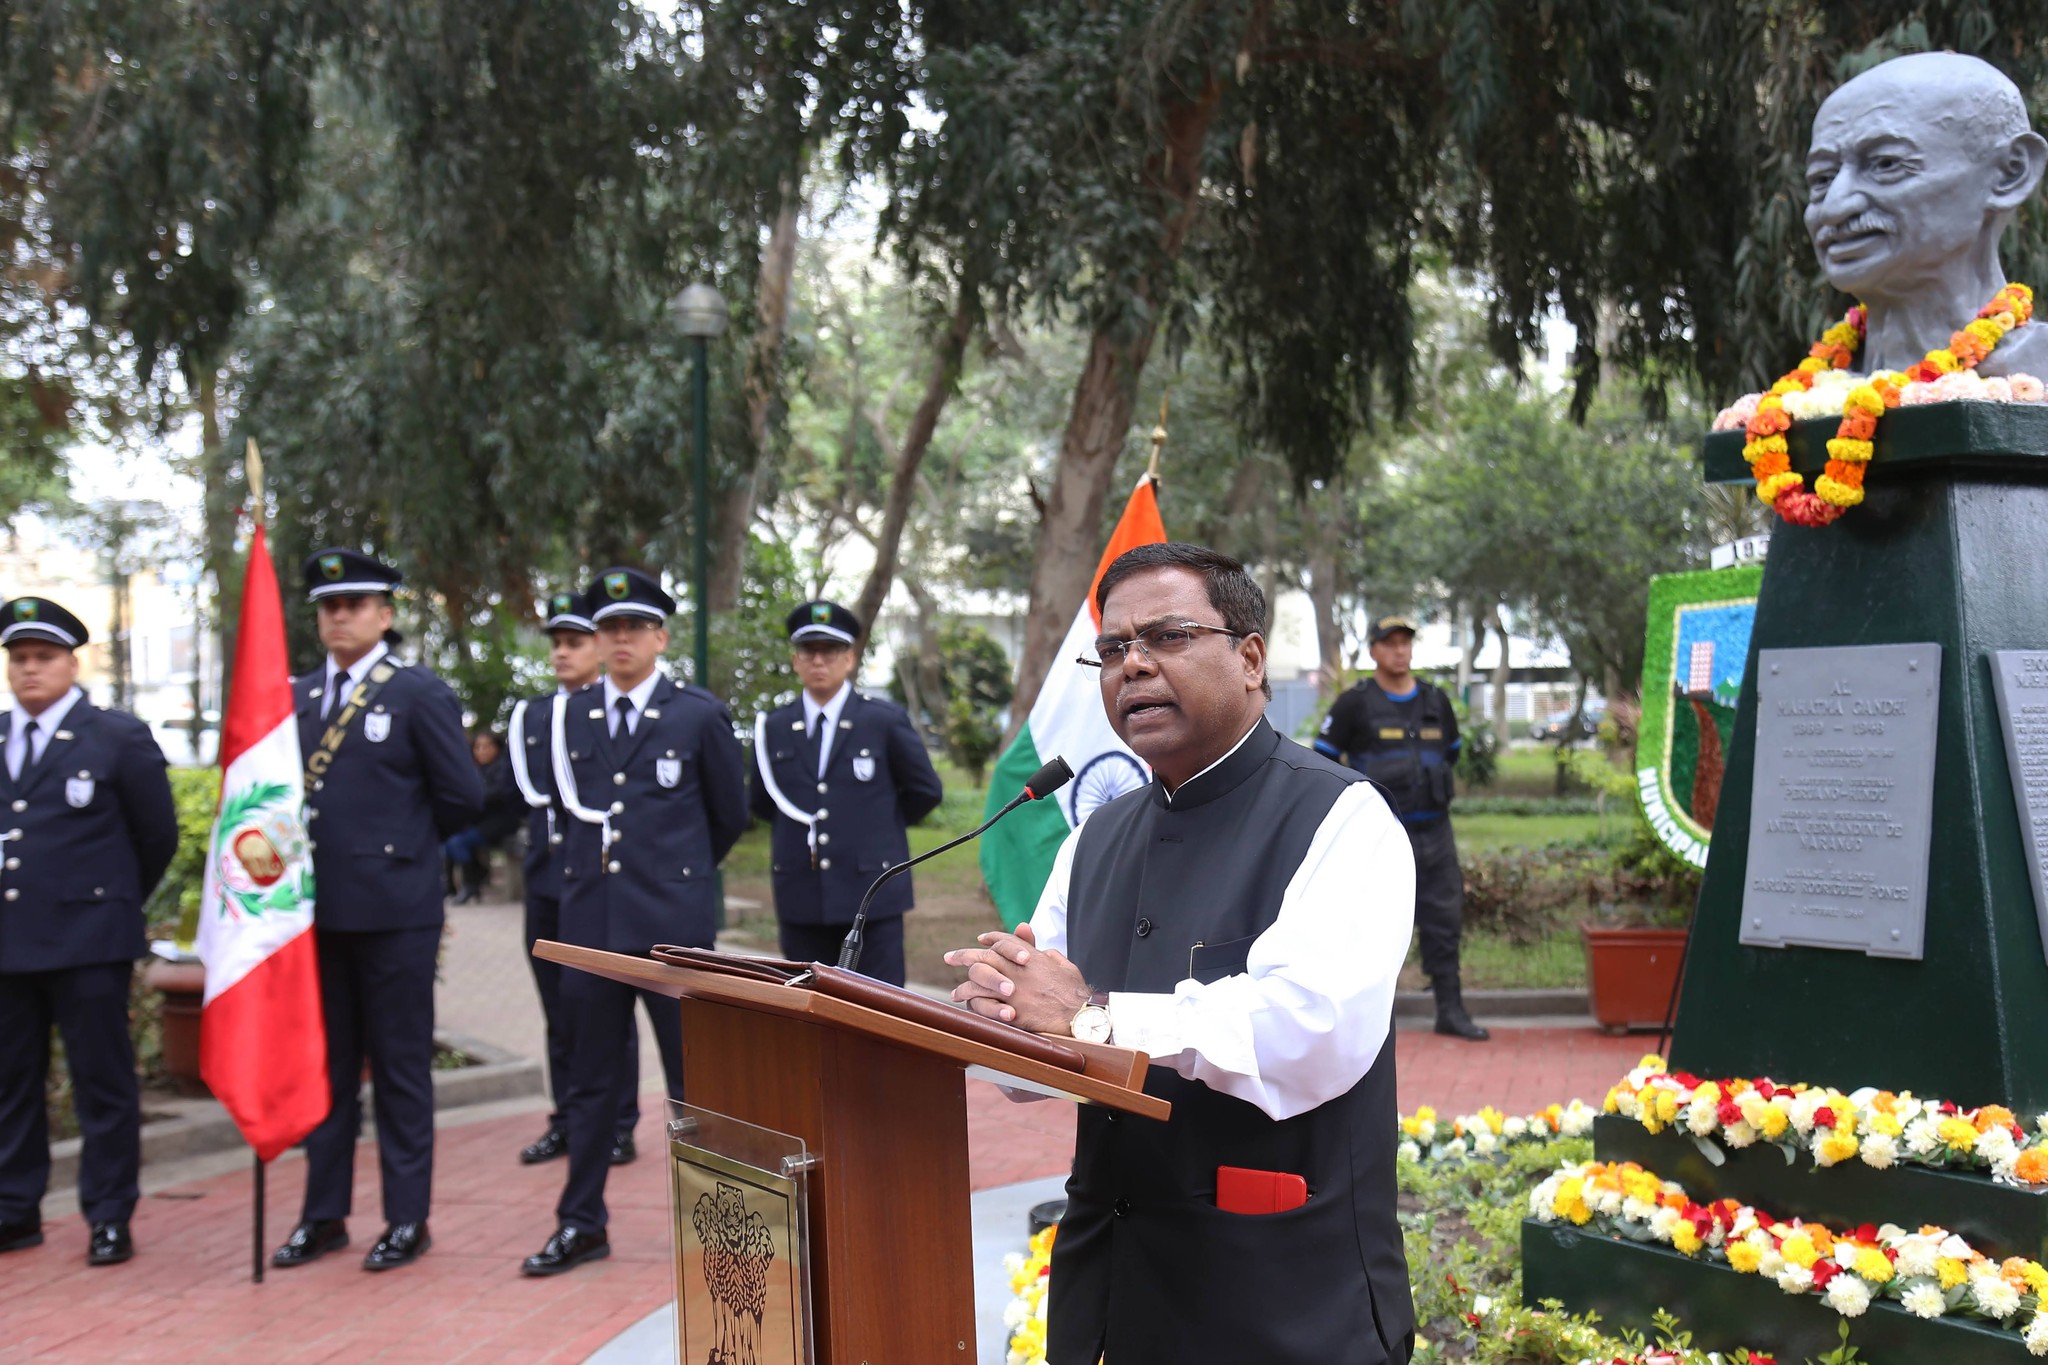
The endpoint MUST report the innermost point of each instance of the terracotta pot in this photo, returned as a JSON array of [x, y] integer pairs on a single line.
[[183, 988], [1631, 974]]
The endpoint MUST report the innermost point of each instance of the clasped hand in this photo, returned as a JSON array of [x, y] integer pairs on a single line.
[[1010, 978]]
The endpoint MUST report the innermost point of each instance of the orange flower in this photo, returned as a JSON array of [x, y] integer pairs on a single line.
[[2032, 1166]]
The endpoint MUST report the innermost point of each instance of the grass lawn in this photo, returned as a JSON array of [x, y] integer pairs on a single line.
[[953, 906]]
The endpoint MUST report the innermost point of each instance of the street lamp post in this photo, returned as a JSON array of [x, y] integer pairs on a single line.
[[700, 314]]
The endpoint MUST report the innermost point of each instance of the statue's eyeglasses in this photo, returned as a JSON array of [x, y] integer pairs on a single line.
[[1164, 640]]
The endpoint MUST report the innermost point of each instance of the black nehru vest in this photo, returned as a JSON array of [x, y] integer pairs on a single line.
[[1146, 1268]]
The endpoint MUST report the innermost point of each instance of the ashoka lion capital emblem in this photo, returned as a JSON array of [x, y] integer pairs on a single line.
[[738, 1248]]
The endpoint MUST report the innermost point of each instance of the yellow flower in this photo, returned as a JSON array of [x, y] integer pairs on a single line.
[[1799, 1250], [1837, 1147], [1957, 1132], [1425, 1114], [2036, 1277], [1775, 1121], [1813, 364], [1987, 331], [1873, 1265], [1863, 399], [1944, 360], [1570, 1201], [1744, 1257], [1888, 1124], [1709, 1092], [1493, 1118], [1950, 1272], [1684, 1238], [1837, 492], [1847, 448], [1650, 1062], [1769, 489]]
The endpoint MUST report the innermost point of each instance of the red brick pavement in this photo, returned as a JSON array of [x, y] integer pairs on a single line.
[[187, 1295]]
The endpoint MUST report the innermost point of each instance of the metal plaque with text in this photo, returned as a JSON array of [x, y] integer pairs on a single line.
[[2020, 677], [1842, 807]]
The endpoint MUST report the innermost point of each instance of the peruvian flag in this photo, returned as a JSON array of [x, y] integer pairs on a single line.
[[262, 1047]]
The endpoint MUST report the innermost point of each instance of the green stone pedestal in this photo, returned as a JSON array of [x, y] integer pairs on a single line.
[[1950, 547]]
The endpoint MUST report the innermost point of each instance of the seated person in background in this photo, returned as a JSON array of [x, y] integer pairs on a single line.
[[468, 852]]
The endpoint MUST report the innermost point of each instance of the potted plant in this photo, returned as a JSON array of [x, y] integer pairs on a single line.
[[1635, 944]]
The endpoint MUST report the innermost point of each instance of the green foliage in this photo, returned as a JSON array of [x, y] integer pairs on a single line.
[[750, 647], [1469, 806], [1478, 751], [173, 908], [977, 674]]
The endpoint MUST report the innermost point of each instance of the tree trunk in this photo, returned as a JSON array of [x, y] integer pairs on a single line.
[[219, 515], [1324, 588], [734, 511], [1473, 633], [1099, 421], [947, 356]]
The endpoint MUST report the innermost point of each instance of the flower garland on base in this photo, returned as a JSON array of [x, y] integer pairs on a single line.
[[1025, 1317], [1841, 486], [1425, 1137], [1932, 1272], [1878, 1127]]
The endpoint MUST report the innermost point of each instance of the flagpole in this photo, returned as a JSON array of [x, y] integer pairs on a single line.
[[1158, 440], [253, 467]]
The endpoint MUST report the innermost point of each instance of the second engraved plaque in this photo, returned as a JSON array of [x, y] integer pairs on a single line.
[[1843, 802]]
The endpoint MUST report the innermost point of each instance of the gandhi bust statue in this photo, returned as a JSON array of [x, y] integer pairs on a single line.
[[1915, 169]]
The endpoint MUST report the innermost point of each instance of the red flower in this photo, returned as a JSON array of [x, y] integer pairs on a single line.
[[1729, 1112], [1824, 1117], [1823, 1271]]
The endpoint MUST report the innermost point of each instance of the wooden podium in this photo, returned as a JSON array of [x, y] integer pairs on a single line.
[[881, 1101]]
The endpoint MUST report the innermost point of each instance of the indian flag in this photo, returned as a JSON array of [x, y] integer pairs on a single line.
[[1066, 721], [262, 1046]]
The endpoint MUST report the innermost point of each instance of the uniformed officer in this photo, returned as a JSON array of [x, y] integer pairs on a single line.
[[88, 830], [577, 662], [389, 776], [1403, 734], [654, 780], [841, 775]]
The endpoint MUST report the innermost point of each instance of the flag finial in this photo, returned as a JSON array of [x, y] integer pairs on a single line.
[[253, 464], [1158, 438]]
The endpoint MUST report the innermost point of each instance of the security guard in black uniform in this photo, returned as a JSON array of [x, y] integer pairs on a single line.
[[654, 781], [86, 834], [577, 663], [841, 775], [1403, 734], [389, 776]]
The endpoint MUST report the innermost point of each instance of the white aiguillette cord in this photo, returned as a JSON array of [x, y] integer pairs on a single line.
[[565, 784], [782, 803], [533, 797]]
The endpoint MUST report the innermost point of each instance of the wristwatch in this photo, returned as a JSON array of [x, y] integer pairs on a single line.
[[1091, 1022]]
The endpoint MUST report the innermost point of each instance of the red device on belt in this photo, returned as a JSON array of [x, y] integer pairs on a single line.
[[1240, 1190]]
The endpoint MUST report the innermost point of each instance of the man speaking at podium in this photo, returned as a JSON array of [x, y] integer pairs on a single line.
[[1213, 920]]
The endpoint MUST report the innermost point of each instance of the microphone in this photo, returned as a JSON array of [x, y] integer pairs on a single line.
[[1037, 787]]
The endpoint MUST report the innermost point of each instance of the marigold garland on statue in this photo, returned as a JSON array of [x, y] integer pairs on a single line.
[[1840, 487]]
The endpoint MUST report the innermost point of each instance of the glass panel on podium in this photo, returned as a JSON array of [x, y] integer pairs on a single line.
[[738, 1195]]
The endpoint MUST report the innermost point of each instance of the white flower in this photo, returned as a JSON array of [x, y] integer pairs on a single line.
[[2037, 1335], [1410, 1151], [1515, 1128], [1739, 1134], [1794, 1279], [1805, 1106], [1921, 1138], [1484, 1141], [1425, 1132], [1848, 1295], [1577, 1119], [1995, 1144], [1917, 1256], [1608, 1202], [1997, 1298], [1771, 1266], [1701, 1118], [1455, 1147], [1481, 1306], [1664, 1223], [1879, 1151], [1956, 1249], [1925, 1301]]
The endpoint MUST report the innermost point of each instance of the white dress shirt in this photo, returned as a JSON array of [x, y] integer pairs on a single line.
[[1307, 1017], [642, 690], [18, 740], [356, 671], [830, 711]]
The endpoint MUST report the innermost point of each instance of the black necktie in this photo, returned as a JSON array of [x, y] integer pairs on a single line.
[[812, 741], [28, 745], [337, 693], [622, 722]]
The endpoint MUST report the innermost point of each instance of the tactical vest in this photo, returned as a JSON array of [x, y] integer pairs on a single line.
[[1406, 750], [1145, 1265]]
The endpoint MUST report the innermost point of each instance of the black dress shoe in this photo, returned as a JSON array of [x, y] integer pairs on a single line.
[[110, 1244], [553, 1143], [401, 1244], [566, 1250], [311, 1241], [20, 1236], [1453, 1022], [623, 1151]]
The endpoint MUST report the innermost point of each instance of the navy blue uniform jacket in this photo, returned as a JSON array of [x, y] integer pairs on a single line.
[[401, 782], [544, 836], [878, 782], [676, 795], [93, 829]]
